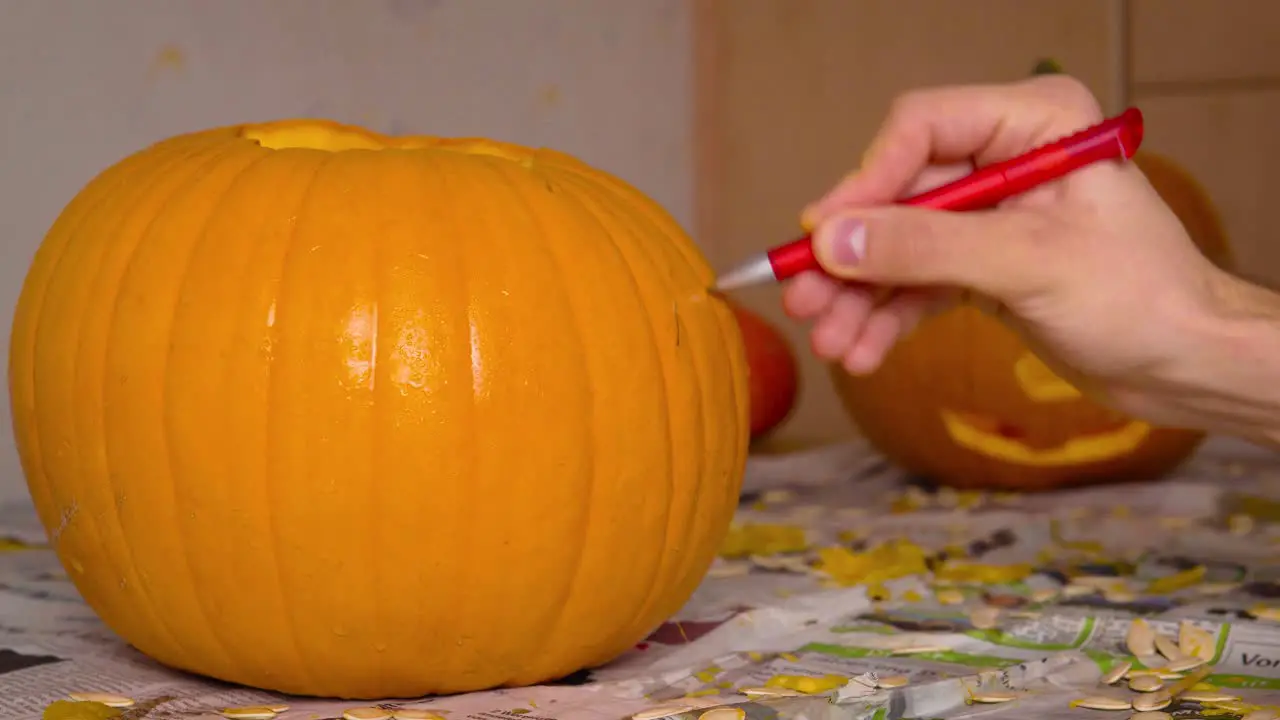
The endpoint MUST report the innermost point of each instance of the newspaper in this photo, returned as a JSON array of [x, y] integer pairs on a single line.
[[845, 588]]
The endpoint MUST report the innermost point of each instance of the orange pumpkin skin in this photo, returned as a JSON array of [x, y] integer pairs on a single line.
[[774, 377], [962, 364], [320, 411]]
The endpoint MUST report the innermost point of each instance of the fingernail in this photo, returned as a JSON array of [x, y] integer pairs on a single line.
[[809, 217], [846, 241]]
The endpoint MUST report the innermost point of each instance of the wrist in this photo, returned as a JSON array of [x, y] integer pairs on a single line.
[[1230, 381]]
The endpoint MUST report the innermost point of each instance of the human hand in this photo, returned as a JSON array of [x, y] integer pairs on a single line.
[[1095, 271]]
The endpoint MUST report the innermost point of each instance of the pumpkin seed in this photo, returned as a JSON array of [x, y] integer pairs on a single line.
[[1196, 641], [1119, 595], [1044, 595], [1204, 686], [662, 711], [1263, 611], [1072, 590], [1140, 640], [1005, 498], [776, 496], [1263, 714], [1151, 715], [1184, 663], [1146, 683], [1161, 673], [278, 707], [785, 563], [108, 699], [867, 679], [1157, 700], [918, 649], [248, 712], [699, 699], [415, 714], [892, 681], [1168, 648], [1207, 696], [1216, 588], [767, 692], [1101, 702], [985, 617], [1114, 674], [1240, 524], [1098, 582], [729, 569], [723, 713], [365, 713], [993, 697]]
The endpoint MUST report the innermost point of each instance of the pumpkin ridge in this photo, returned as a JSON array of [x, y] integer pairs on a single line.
[[166, 424], [730, 334], [652, 215], [590, 382], [33, 311], [204, 158], [270, 411], [588, 199], [374, 430], [729, 331], [31, 308]]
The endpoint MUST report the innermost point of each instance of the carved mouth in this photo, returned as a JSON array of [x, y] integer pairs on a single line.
[[1006, 442]]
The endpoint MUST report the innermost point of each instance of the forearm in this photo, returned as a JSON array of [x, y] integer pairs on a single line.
[[1231, 383]]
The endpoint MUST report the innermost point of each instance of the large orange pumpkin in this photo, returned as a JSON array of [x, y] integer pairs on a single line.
[[964, 402], [321, 411], [774, 377]]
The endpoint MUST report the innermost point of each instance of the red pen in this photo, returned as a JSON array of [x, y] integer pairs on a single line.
[[1115, 139]]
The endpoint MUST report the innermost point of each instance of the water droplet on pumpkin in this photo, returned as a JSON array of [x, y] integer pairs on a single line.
[[339, 631]]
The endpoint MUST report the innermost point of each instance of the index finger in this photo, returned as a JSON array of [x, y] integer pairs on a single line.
[[979, 123]]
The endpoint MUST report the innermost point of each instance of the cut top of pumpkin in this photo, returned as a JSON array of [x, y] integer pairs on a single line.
[[331, 136]]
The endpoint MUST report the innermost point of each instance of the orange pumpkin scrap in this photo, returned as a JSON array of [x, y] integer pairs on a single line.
[[321, 411], [963, 401], [774, 376]]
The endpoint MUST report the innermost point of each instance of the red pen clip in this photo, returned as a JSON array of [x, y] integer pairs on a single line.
[[1117, 138]]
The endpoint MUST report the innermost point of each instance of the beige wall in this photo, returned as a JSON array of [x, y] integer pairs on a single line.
[[84, 82], [1207, 76]]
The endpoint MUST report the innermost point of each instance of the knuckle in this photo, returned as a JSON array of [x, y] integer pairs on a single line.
[[907, 103], [900, 247], [1071, 96], [911, 110]]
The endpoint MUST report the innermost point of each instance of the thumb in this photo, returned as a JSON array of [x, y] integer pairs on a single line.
[[1002, 253]]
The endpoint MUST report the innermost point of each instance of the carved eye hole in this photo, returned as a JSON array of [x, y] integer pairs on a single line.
[[1040, 383]]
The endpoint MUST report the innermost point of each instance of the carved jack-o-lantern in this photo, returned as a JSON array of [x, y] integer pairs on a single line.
[[963, 401]]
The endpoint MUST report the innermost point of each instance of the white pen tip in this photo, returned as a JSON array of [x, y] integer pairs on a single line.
[[755, 272]]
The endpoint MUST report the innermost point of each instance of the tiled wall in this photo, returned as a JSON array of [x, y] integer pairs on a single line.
[[1207, 76]]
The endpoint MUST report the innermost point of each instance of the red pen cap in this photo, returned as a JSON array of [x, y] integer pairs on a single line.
[[1116, 138]]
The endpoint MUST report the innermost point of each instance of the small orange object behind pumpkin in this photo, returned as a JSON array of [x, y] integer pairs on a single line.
[[963, 401], [773, 371]]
